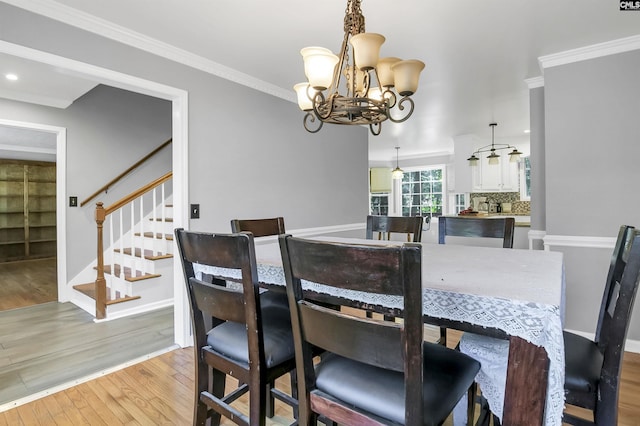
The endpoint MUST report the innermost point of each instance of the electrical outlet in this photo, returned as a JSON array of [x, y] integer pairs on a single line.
[[73, 201], [195, 211]]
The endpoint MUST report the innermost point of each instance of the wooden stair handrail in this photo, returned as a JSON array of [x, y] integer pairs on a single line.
[[135, 194], [101, 214], [126, 172]]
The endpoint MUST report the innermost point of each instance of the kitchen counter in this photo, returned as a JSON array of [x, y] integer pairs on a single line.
[[522, 219]]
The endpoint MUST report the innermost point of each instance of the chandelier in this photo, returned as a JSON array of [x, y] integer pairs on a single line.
[[494, 158], [368, 97]]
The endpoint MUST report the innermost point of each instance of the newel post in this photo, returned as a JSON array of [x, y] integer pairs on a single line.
[[101, 284]]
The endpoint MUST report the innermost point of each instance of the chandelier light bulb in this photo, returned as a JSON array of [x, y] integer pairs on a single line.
[[366, 48], [319, 65]]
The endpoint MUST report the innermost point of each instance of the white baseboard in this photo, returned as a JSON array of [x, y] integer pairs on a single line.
[[629, 346], [322, 230], [112, 315]]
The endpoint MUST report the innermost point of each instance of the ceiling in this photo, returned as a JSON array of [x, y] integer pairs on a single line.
[[477, 53]]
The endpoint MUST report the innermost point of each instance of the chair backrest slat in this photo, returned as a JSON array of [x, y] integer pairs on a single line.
[[386, 225], [379, 274], [219, 302], [502, 228], [379, 346], [259, 227]]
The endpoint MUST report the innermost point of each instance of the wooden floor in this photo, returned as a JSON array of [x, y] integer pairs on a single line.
[[50, 344], [28, 283], [160, 391]]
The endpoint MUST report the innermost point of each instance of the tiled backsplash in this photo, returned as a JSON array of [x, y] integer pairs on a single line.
[[517, 206]]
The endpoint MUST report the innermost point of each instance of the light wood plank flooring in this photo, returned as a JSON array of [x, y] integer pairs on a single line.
[[160, 391], [50, 344], [27, 283]]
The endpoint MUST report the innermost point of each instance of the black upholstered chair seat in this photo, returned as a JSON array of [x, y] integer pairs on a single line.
[[274, 298], [344, 379], [230, 338], [583, 363]]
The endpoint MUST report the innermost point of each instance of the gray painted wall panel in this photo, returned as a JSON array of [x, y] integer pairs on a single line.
[[592, 146]]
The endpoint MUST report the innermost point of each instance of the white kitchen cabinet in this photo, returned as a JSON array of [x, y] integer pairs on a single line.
[[495, 178]]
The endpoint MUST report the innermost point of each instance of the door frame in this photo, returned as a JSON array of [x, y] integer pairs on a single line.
[[179, 100]]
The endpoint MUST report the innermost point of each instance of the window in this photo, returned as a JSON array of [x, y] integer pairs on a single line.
[[525, 179], [379, 204], [422, 192]]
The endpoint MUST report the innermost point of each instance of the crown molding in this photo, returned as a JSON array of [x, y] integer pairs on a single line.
[[36, 99], [30, 149], [534, 82], [104, 28], [590, 52]]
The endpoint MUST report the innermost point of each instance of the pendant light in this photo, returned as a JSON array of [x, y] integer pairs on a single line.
[[494, 157], [397, 173]]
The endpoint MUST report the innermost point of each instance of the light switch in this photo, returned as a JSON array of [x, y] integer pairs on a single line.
[[73, 201], [195, 211]]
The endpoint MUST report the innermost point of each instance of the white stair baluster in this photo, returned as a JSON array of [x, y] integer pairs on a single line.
[[121, 240], [164, 222], [133, 233], [155, 219], [112, 256], [142, 233]]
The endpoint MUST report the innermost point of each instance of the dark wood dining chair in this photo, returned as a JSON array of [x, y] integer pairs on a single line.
[[384, 226], [593, 367], [237, 332], [387, 225], [374, 372], [473, 227], [259, 227]]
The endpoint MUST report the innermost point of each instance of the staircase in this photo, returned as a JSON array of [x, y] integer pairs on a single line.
[[135, 271]]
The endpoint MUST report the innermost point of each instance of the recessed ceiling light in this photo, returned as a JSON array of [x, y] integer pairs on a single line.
[[527, 131], [11, 77]]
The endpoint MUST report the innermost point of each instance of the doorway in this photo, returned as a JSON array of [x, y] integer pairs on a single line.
[[31, 228], [179, 100]]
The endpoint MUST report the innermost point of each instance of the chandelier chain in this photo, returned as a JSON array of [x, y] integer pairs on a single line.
[[353, 18]]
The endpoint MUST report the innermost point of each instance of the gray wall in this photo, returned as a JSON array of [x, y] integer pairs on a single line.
[[248, 153], [592, 150], [108, 130], [537, 158]]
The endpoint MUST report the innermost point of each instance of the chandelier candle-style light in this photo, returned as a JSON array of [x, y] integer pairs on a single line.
[[494, 158], [372, 84]]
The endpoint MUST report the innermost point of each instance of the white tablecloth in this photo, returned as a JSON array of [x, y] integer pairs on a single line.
[[518, 291]]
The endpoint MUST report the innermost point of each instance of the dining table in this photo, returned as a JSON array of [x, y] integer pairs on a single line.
[[516, 296]]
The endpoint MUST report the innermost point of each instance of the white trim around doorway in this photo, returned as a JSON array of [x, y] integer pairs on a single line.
[[179, 99]]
